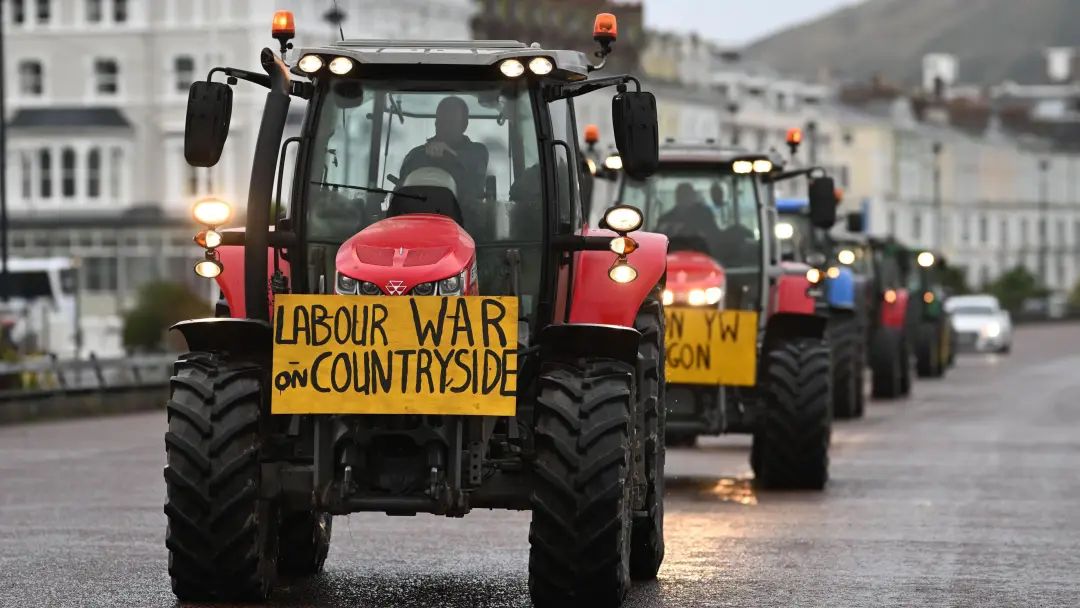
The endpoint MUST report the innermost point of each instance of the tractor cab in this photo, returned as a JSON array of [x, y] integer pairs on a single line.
[[423, 320]]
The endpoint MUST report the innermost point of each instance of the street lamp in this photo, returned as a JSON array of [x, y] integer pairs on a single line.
[[1044, 208], [939, 226]]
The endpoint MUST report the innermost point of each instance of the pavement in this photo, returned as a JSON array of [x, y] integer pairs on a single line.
[[966, 494]]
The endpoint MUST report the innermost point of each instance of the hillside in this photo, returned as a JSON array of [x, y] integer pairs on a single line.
[[992, 39]]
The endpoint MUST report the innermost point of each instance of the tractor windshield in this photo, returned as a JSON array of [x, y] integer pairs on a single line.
[[702, 210], [475, 138]]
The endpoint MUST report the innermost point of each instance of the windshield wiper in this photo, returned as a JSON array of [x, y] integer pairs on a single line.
[[368, 189]]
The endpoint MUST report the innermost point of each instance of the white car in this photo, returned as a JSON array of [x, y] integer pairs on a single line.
[[980, 323]]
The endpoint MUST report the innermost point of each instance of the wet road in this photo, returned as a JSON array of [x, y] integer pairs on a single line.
[[967, 494]]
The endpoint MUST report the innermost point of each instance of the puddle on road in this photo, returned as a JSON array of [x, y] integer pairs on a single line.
[[739, 490]]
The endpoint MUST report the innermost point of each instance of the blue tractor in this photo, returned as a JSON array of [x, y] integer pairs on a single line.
[[836, 297]]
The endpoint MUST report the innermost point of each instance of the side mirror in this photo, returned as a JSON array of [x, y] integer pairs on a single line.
[[822, 202], [855, 222], [636, 133], [209, 111]]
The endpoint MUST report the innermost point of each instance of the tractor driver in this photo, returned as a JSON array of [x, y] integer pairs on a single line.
[[452, 150], [690, 223]]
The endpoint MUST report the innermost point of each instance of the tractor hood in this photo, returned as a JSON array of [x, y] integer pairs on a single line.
[[398, 253], [688, 270]]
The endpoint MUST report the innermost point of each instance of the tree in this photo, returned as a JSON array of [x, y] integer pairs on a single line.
[[1016, 286], [160, 304]]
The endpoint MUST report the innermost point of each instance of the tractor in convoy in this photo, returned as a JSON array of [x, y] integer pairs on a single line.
[[801, 241], [428, 325], [934, 345], [746, 348]]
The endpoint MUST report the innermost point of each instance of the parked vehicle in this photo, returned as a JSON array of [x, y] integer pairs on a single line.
[[429, 327], [980, 323]]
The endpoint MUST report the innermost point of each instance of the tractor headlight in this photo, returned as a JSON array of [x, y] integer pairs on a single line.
[[813, 275], [211, 212], [208, 239], [345, 285], [423, 289], [669, 297], [613, 162], [742, 167], [713, 295], [763, 166], [696, 297], [925, 259], [341, 65], [208, 268], [541, 66], [833, 272], [368, 288], [623, 218], [309, 64], [621, 272], [784, 231], [452, 286], [846, 257], [512, 68]]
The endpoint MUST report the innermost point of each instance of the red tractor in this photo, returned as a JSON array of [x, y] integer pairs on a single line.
[[746, 348], [425, 323]]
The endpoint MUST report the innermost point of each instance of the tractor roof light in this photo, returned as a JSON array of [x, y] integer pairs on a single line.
[[605, 28], [211, 212], [613, 162], [784, 231], [341, 65], [592, 133], [623, 245], [742, 167], [309, 64], [621, 272], [512, 68], [794, 137], [813, 275], [925, 259], [623, 219], [763, 166], [846, 257], [284, 26], [541, 66]]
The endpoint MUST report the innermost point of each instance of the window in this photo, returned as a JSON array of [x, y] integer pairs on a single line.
[[26, 184], [106, 76], [184, 67], [44, 10], [67, 172], [100, 274], [18, 11], [1023, 232], [1004, 234], [45, 162], [93, 173], [116, 166], [984, 229], [30, 78], [916, 226], [191, 184], [891, 221], [120, 11], [93, 11]]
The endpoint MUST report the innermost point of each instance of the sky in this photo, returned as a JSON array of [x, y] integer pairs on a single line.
[[734, 21]]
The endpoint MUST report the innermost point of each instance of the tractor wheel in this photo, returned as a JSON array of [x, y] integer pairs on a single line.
[[305, 539], [905, 367], [843, 338], [647, 538], [581, 504], [886, 363], [791, 444], [222, 536], [859, 371], [928, 362]]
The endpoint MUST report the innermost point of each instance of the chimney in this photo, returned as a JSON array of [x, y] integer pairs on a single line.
[[1059, 62], [939, 73]]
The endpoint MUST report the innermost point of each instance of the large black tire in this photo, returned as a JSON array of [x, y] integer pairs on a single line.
[[581, 519], [791, 443], [928, 351], [844, 337], [647, 538], [305, 537], [886, 363], [222, 537]]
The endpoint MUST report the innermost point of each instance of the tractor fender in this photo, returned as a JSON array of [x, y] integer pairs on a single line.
[[231, 279], [590, 340], [894, 314], [597, 299], [233, 335], [840, 292], [791, 295]]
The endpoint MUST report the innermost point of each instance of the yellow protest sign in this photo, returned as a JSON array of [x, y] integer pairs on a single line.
[[712, 347], [395, 355]]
